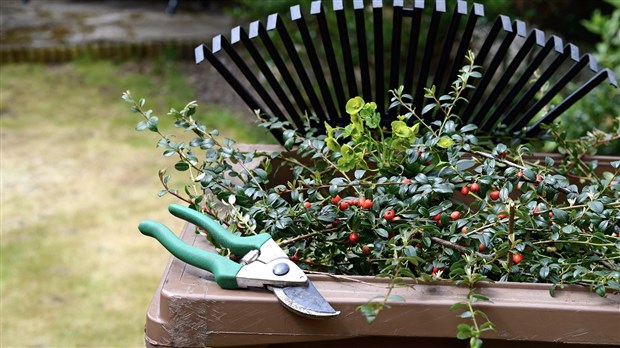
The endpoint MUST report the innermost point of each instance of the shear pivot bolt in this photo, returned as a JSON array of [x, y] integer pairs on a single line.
[[280, 269]]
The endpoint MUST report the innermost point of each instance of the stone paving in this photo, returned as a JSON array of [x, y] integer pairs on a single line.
[[45, 24]]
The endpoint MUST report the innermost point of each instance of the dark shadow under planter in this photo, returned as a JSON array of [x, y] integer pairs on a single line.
[[190, 310]]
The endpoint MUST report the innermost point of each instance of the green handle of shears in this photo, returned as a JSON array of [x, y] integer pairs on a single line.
[[238, 245], [224, 269]]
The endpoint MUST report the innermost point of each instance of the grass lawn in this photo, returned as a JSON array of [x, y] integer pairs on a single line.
[[76, 179]]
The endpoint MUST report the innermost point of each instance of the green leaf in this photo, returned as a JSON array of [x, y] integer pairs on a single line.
[[479, 297], [475, 342], [331, 142], [465, 315], [181, 166], [382, 232], [142, 125], [596, 206], [560, 215], [458, 305], [347, 151], [463, 331], [370, 310], [445, 142], [428, 107], [400, 129], [415, 129], [468, 128], [614, 285], [354, 105], [463, 165]]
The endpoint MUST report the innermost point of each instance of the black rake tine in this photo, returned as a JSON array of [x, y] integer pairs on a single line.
[[343, 35], [274, 53], [358, 7], [501, 22], [397, 21], [203, 52], [477, 11], [412, 52], [598, 78], [266, 71], [518, 28], [300, 69], [586, 60], [536, 37], [518, 122], [460, 9], [440, 8], [245, 70], [377, 13], [328, 101], [317, 10], [554, 43]]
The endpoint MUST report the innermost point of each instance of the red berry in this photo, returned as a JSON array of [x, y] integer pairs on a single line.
[[307, 204], [366, 203], [335, 223], [465, 190], [482, 247], [494, 195], [351, 201], [516, 258], [336, 199], [389, 214], [365, 250], [396, 218], [539, 178], [406, 181], [455, 215], [503, 154], [437, 217], [295, 257], [536, 211], [435, 271], [344, 206], [550, 214], [520, 174], [353, 237], [475, 187], [502, 215], [309, 260], [464, 229], [418, 246]]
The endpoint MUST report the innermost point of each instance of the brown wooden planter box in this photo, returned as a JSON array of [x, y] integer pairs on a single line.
[[190, 310]]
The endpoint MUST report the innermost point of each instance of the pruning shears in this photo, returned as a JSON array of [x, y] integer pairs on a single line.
[[264, 264]]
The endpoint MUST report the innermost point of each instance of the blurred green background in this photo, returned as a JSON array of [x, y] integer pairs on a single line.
[[76, 178]]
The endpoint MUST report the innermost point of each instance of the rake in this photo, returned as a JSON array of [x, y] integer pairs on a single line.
[[312, 62]]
